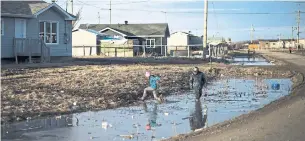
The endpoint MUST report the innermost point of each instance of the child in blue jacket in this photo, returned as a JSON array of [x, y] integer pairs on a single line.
[[152, 86]]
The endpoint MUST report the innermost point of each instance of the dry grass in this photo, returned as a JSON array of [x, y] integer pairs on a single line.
[[30, 92]]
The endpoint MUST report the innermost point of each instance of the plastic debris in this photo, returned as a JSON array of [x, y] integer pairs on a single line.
[[275, 86], [58, 117], [127, 136], [75, 103], [105, 125], [166, 114], [147, 127]]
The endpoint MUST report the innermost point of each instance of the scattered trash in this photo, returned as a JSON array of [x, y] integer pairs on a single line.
[[235, 101], [148, 127], [105, 125], [74, 103], [275, 86], [127, 136]]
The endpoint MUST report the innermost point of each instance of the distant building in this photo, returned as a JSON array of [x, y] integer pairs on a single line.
[[179, 41], [152, 36], [275, 43], [302, 43], [86, 42]]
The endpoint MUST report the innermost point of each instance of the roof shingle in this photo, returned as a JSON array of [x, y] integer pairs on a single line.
[[22, 7]]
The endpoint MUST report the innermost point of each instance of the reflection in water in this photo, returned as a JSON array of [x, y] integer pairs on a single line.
[[18, 129], [152, 115], [197, 119], [248, 60], [152, 118]]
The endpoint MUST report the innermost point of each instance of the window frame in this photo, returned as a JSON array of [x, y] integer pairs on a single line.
[[150, 46], [44, 31], [2, 27]]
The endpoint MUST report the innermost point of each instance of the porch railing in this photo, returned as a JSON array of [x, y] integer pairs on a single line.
[[45, 52], [31, 47]]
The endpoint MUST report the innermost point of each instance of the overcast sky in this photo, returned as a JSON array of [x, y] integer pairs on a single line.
[[236, 26]]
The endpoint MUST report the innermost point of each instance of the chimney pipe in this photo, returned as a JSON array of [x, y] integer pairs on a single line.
[[126, 22]]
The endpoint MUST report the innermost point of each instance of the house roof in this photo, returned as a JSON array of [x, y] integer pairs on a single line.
[[28, 8], [132, 29], [275, 40], [190, 34], [22, 7], [92, 31]]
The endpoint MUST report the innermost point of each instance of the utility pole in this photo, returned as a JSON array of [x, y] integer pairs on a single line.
[[251, 33], [99, 18], [205, 28], [110, 12], [298, 27], [280, 35], [292, 34]]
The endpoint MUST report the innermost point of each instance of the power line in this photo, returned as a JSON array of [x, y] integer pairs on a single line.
[[130, 2], [217, 25], [194, 12]]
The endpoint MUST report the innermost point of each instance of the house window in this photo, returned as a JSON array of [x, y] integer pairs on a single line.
[[49, 32], [150, 43], [2, 27], [273, 43]]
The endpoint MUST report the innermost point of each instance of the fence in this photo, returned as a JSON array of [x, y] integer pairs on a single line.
[[146, 51]]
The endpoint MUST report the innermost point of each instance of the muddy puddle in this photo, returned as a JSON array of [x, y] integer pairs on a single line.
[[225, 100], [250, 61]]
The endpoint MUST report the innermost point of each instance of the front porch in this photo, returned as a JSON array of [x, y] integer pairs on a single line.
[[31, 47]]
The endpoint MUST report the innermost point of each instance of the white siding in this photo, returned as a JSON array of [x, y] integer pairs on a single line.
[[83, 38], [178, 39]]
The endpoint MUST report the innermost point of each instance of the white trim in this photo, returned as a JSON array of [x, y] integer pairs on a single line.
[[2, 27], [44, 35], [108, 28], [59, 8], [149, 46]]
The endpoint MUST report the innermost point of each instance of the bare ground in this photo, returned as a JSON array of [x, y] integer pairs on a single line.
[[281, 120], [48, 89]]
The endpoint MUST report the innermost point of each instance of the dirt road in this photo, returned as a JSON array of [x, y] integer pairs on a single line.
[[283, 120]]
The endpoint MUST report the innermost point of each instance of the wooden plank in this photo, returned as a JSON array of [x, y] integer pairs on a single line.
[[29, 48], [15, 51]]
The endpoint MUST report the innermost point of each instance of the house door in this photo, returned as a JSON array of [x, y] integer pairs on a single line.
[[20, 28]]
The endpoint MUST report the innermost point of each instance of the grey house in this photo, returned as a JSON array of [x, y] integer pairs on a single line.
[[152, 36], [35, 29]]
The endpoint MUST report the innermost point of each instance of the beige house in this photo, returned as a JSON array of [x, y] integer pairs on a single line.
[[302, 42], [179, 42], [275, 43], [86, 42]]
